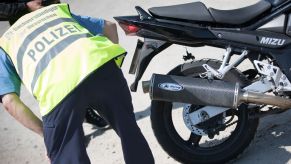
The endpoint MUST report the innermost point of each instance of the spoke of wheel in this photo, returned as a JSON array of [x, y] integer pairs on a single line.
[[194, 140]]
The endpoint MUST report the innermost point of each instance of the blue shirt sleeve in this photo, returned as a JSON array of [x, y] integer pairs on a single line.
[[94, 25], [9, 79]]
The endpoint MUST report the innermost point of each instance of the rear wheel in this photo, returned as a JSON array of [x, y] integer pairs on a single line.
[[225, 135]]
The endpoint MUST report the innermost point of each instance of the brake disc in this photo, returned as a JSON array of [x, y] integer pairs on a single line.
[[189, 122], [202, 120]]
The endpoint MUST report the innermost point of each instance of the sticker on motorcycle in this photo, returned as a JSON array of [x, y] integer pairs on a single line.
[[272, 41], [171, 87]]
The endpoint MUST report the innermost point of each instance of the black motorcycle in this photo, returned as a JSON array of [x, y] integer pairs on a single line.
[[221, 105]]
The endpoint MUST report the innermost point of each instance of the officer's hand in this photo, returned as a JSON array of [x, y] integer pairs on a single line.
[[34, 5]]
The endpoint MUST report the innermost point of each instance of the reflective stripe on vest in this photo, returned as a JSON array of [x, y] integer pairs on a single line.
[[53, 54]]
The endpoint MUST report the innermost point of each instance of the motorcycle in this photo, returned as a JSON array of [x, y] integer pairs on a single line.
[[221, 104]]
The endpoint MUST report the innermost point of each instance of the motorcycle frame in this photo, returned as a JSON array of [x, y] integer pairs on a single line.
[[159, 34]]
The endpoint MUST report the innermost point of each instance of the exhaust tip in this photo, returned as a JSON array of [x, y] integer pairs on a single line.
[[146, 86]]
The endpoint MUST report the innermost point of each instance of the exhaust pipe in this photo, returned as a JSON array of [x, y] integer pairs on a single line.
[[206, 92]]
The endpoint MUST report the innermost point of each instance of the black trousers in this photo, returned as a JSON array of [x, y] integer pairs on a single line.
[[106, 90]]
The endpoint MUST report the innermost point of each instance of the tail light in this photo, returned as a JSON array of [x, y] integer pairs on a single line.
[[129, 29]]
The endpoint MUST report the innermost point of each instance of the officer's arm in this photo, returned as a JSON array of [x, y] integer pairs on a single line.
[[22, 113], [110, 31]]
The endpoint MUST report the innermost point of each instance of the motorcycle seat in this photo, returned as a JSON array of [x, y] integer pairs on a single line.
[[197, 11], [241, 15]]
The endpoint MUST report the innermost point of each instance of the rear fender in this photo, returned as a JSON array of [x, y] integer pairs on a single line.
[[144, 53]]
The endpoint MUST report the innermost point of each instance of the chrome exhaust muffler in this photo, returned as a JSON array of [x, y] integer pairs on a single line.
[[206, 92]]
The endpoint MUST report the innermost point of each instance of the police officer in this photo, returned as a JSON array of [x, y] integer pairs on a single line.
[[68, 69], [12, 10]]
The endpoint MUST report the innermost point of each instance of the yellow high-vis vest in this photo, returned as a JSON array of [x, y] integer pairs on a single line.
[[53, 54]]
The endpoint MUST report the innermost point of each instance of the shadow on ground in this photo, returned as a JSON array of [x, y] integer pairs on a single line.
[[271, 141]]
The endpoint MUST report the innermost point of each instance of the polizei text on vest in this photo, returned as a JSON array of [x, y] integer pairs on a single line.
[[51, 37]]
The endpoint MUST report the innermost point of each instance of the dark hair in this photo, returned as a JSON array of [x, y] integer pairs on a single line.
[[48, 2]]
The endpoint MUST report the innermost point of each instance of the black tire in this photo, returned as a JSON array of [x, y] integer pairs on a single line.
[[180, 149]]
